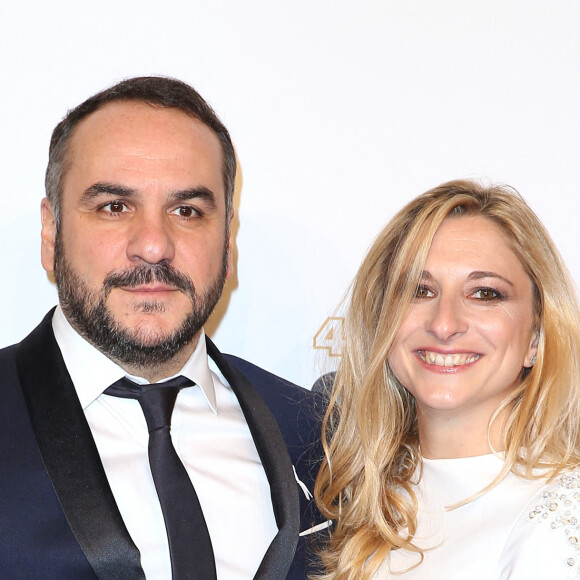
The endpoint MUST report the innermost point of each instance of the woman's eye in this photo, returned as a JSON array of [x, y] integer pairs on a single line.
[[423, 292], [487, 294]]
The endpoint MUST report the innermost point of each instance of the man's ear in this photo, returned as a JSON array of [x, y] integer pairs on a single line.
[[47, 236], [230, 250]]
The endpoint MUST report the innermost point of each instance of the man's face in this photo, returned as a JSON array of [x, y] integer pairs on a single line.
[[142, 252]]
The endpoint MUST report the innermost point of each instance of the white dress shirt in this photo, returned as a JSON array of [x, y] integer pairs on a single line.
[[212, 439]]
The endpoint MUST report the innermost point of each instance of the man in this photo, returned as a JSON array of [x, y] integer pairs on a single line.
[[136, 232]]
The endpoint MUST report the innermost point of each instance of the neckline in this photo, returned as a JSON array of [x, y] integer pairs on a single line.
[[456, 479]]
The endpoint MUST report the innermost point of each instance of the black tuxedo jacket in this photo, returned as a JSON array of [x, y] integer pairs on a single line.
[[58, 517]]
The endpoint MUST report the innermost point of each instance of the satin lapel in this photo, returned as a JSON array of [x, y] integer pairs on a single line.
[[278, 468], [72, 460]]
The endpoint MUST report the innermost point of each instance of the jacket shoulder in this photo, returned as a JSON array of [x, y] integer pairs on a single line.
[[7, 354], [298, 411], [288, 401]]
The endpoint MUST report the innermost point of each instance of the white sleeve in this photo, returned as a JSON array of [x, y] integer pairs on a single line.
[[545, 542]]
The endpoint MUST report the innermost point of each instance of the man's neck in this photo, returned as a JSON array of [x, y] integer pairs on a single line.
[[160, 371]]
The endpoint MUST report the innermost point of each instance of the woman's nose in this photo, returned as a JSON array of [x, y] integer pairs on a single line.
[[446, 319]]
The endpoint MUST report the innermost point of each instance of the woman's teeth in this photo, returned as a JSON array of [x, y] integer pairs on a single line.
[[447, 360]]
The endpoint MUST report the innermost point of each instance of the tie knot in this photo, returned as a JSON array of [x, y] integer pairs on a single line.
[[157, 400]]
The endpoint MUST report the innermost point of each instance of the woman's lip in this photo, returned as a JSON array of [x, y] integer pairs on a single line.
[[447, 359], [444, 350]]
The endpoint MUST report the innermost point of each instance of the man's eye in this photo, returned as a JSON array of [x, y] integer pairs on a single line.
[[115, 207], [423, 292], [185, 211]]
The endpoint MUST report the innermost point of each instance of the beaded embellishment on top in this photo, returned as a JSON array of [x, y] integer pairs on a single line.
[[560, 507]]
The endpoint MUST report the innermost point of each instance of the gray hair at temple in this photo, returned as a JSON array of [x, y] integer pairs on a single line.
[[158, 91]]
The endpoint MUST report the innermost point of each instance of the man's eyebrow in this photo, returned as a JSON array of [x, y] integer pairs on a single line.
[[103, 188], [121, 191], [202, 193]]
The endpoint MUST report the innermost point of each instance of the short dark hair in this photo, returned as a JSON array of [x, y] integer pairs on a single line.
[[157, 91]]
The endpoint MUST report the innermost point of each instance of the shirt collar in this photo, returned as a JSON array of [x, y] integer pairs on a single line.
[[92, 372]]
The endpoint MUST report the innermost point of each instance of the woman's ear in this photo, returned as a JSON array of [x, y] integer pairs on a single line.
[[530, 359]]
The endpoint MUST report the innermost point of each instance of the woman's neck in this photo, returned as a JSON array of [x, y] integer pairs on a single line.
[[451, 435]]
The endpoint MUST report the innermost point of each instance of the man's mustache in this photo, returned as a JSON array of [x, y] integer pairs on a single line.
[[148, 274]]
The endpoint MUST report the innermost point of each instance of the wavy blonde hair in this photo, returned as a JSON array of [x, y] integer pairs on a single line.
[[370, 429]]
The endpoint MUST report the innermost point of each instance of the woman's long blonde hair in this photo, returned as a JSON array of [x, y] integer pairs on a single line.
[[370, 430]]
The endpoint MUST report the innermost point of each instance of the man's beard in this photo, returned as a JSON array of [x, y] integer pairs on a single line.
[[87, 311]]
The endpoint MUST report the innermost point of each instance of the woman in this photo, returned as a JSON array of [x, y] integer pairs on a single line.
[[452, 435]]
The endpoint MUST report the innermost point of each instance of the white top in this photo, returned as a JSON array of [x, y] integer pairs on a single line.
[[213, 441], [520, 530]]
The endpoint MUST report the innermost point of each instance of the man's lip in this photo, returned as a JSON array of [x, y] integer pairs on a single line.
[[149, 288]]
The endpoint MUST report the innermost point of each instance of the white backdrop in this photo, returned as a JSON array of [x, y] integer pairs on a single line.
[[340, 111]]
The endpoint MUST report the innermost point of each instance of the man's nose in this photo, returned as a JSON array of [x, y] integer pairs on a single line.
[[150, 239]]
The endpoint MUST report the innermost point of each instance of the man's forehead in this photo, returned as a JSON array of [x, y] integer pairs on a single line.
[[134, 115], [128, 140], [138, 129]]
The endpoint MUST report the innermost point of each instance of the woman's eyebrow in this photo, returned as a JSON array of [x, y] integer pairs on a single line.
[[478, 275]]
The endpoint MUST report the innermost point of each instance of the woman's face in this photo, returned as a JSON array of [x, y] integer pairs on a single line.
[[470, 329]]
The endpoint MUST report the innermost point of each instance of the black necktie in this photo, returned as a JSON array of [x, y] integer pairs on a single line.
[[189, 542]]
